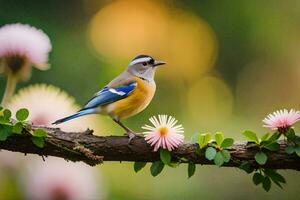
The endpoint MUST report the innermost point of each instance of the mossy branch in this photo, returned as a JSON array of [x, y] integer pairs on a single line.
[[92, 149]]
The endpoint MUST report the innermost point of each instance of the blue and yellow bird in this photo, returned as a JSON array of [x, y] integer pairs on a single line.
[[126, 95]]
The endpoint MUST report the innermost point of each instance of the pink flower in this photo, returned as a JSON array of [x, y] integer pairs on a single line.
[[23, 45], [164, 133], [57, 179], [281, 119]]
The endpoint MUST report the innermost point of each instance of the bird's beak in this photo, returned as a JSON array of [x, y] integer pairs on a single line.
[[157, 62]]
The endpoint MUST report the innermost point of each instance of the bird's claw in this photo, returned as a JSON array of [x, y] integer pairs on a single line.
[[130, 135]]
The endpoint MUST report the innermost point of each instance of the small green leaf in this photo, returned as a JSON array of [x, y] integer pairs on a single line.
[[191, 169], [227, 142], [174, 164], [278, 184], [183, 159], [251, 136], [1, 108], [276, 177], [265, 137], [204, 139], [219, 138], [156, 168], [219, 160], [165, 156], [22, 114], [266, 184], [275, 136], [226, 155], [39, 133], [7, 114], [257, 178], [290, 149], [261, 158], [38, 141], [271, 145], [195, 138], [210, 153], [290, 134], [17, 128], [247, 167], [5, 131], [297, 150], [138, 166]]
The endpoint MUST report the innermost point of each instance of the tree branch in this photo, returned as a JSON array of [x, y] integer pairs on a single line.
[[91, 149]]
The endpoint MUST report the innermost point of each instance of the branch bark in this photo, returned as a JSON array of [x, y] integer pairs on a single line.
[[86, 147]]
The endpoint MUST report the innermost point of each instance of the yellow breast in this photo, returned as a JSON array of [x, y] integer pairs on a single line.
[[137, 101]]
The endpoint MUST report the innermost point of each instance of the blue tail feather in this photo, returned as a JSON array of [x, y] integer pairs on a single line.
[[79, 114]]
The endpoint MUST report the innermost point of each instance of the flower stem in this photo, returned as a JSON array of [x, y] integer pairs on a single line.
[[10, 89]]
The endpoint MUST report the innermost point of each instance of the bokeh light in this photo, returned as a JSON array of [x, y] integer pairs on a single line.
[[123, 29], [210, 103]]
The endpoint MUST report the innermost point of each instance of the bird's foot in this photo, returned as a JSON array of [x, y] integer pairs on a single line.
[[131, 135]]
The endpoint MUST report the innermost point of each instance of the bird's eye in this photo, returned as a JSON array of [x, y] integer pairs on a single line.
[[144, 63]]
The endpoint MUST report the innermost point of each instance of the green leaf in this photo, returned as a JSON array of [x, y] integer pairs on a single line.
[[257, 178], [219, 138], [271, 145], [191, 169], [261, 158], [22, 114], [290, 134], [1, 108], [5, 131], [174, 164], [247, 167], [204, 139], [7, 114], [226, 155], [38, 141], [251, 136], [297, 150], [266, 183], [138, 166], [290, 149], [276, 177], [219, 160], [17, 128], [39, 133], [195, 138], [278, 184], [156, 168], [210, 153], [265, 137], [165, 156], [227, 142], [275, 136]]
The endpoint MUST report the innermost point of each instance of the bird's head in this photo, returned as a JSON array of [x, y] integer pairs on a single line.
[[144, 66]]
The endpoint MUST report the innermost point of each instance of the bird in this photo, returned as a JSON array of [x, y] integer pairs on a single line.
[[126, 95]]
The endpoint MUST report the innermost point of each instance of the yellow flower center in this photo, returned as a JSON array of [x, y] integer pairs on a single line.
[[163, 131]]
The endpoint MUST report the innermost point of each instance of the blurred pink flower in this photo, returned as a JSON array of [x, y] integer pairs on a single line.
[[25, 41], [57, 179], [21, 46], [281, 119], [164, 133]]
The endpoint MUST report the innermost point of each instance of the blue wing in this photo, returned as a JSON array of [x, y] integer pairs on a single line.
[[108, 95]]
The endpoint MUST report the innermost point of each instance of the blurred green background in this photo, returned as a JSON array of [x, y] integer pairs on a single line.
[[229, 64]]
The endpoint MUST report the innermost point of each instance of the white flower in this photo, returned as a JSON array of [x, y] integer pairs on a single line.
[[164, 133], [22, 45], [47, 103], [281, 119]]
